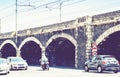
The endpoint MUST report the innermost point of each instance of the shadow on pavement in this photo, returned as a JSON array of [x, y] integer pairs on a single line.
[[104, 72]]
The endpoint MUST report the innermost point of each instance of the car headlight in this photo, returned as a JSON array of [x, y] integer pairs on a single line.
[[14, 64]]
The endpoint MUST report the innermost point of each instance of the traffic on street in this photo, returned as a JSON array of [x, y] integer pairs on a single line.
[[36, 71], [59, 38]]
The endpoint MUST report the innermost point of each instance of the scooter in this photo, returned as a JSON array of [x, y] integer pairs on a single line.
[[45, 66]]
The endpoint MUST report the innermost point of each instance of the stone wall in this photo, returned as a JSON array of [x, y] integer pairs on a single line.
[[75, 28]]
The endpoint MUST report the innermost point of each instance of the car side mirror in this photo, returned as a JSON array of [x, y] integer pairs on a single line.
[[90, 60], [8, 63], [25, 60]]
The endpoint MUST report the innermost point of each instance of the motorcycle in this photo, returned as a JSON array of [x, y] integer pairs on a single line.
[[45, 66]]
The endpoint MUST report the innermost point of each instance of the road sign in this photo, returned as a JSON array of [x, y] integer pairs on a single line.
[[94, 49], [94, 53]]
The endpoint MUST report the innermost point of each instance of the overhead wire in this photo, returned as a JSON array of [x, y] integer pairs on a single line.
[[21, 2], [7, 7], [45, 5], [11, 5], [50, 5], [53, 3]]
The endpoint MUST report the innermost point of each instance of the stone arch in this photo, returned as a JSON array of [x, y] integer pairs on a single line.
[[68, 37], [6, 54], [8, 41], [35, 47], [31, 39], [107, 33]]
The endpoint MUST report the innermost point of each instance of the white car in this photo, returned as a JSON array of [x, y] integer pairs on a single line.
[[4, 66], [17, 63]]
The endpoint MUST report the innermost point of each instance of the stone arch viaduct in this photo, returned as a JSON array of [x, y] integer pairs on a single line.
[[67, 43]]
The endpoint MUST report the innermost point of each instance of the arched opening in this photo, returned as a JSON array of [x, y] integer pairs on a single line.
[[110, 45], [61, 52], [8, 50], [31, 52]]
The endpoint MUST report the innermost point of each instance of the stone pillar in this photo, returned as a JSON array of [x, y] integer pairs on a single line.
[[76, 57], [76, 28], [0, 54], [76, 48], [89, 36], [43, 52], [18, 53], [43, 56]]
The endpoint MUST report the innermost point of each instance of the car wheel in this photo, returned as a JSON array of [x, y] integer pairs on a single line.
[[8, 71], [86, 68], [99, 69], [47, 66], [11, 68], [26, 68], [115, 71]]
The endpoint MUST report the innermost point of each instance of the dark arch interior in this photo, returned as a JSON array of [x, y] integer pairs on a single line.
[[31, 52], [111, 45], [61, 52], [8, 50]]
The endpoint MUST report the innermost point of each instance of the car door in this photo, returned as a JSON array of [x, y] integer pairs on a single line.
[[96, 62], [92, 63]]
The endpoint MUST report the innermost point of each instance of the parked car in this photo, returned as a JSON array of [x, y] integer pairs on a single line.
[[17, 63], [4, 66], [102, 63]]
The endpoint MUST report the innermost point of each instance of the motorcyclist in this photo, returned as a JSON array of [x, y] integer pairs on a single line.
[[44, 63]]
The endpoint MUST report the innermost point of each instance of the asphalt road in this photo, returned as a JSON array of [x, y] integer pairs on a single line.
[[57, 72]]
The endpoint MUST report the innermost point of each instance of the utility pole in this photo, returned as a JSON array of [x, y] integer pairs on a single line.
[[60, 10], [16, 11], [0, 25], [16, 17]]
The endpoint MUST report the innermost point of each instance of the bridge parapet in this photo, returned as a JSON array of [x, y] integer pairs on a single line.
[[45, 29], [106, 18], [96, 20]]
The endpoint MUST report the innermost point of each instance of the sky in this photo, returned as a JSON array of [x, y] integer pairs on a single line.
[[37, 13]]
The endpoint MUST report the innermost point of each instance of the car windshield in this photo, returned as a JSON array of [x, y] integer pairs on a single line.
[[2, 61], [16, 59]]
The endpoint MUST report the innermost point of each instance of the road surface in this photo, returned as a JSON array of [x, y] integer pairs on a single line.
[[35, 71]]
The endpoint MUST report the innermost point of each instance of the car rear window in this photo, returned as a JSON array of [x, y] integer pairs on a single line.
[[109, 58]]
